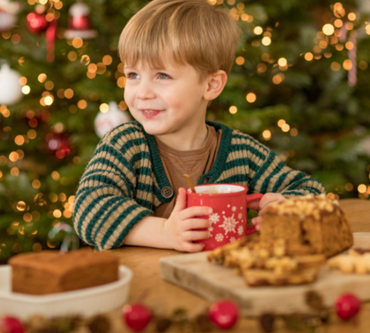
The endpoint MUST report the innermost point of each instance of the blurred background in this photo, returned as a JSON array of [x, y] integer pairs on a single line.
[[300, 85]]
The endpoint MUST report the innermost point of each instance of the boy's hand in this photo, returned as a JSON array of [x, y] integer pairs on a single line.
[[267, 200], [178, 227]]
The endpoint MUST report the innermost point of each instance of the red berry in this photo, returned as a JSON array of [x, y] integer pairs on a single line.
[[136, 316], [11, 325], [224, 314], [347, 306]]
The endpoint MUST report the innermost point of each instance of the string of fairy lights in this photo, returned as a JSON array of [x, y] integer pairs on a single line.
[[329, 35]]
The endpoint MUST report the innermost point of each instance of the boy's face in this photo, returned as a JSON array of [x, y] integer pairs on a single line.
[[167, 102]]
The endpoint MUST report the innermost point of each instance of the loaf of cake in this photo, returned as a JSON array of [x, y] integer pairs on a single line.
[[314, 224], [50, 272]]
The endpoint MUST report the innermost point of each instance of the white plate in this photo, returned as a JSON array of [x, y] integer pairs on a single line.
[[85, 302]]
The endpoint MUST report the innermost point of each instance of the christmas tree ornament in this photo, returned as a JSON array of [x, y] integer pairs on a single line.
[[64, 234], [10, 87], [137, 316], [8, 14], [79, 22], [38, 23], [224, 314], [104, 122], [11, 325], [57, 144], [347, 306]]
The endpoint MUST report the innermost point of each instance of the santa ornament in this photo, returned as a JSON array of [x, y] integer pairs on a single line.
[[104, 122], [79, 22], [10, 88], [8, 14]]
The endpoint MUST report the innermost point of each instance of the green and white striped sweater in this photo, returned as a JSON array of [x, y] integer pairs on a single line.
[[123, 182]]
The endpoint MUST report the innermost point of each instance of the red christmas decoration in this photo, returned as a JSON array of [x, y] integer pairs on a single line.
[[37, 23], [11, 325], [58, 145], [224, 314], [79, 22], [347, 306], [137, 316]]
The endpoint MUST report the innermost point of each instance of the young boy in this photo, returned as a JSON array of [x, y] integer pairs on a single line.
[[176, 55]]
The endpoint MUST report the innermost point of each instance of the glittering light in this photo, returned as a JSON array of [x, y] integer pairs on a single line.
[[104, 107], [82, 104], [68, 93], [21, 206], [285, 128], [72, 56], [347, 64], [121, 82], [57, 213], [282, 62], [349, 45], [348, 187], [308, 56], [19, 140], [31, 134], [13, 156], [48, 100], [23, 80], [281, 122], [85, 60], [335, 66], [36, 184], [352, 16], [278, 78], [261, 68], [266, 134], [258, 30], [49, 85], [107, 60], [328, 29], [266, 41], [362, 188], [42, 77], [92, 68], [293, 132], [349, 26], [239, 61], [55, 175], [251, 97], [14, 171], [362, 65], [368, 29], [338, 23], [77, 42], [233, 109], [26, 90]]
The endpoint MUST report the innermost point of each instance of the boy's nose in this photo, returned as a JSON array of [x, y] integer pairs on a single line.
[[145, 91]]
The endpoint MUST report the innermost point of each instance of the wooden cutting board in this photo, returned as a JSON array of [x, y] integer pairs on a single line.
[[215, 282]]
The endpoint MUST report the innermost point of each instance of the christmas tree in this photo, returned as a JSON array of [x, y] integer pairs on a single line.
[[299, 85]]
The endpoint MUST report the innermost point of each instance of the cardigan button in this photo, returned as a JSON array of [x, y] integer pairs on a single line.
[[167, 192]]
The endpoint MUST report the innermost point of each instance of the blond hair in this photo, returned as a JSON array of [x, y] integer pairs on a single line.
[[190, 31]]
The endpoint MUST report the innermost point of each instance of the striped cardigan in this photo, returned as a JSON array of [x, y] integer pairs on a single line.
[[123, 182]]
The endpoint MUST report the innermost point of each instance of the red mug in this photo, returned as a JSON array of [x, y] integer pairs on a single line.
[[229, 217]]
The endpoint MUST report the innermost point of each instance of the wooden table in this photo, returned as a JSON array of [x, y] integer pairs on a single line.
[[163, 297]]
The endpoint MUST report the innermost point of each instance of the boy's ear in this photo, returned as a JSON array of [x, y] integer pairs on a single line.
[[215, 84]]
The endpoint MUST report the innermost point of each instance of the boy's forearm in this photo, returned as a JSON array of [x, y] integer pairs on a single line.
[[148, 232]]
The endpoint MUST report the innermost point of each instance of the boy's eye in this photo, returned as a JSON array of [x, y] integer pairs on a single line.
[[132, 76], [163, 76]]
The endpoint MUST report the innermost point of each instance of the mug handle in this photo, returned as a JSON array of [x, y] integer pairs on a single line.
[[250, 198]]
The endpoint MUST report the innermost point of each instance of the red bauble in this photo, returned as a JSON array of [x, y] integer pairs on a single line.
[[11, 325], [37, 23], [224, 314], [136, 316], [58, 144], [347, 306]]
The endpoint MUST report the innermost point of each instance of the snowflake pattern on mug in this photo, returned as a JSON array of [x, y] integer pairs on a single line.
[[219, 237], [233, 209], [229, 224], [240, 230], [232, 239], [240, 216], [214, 217]]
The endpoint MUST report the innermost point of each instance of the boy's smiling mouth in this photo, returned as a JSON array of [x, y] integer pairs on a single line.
[[150, 113]]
